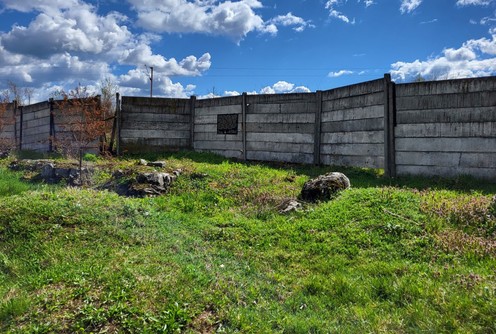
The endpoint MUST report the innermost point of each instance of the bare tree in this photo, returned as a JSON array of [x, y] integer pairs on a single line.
[[108, 89], [83, 117], [6, 119], [22, 95]]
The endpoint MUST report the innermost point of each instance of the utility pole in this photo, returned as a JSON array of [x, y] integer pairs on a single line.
[[151, 81], [150, 76]]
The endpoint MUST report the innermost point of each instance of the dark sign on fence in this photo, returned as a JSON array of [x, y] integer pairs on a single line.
[[227, 124]]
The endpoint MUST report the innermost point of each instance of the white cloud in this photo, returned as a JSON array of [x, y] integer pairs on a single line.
[[231, 93], [429, 22], [474, 58], [367, 3], [291, 20], [137, 82], [408, 6], [473, 2], [283, 87], [47, 6], [68, 41], [232, 19], [339, 73], [330, 5]]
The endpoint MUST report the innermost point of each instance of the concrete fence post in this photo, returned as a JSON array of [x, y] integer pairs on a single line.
[[118, 123], [15, 122], [51, 135], [318, 127], [192, 113], [21, 125], [243, 123], [389, 126]]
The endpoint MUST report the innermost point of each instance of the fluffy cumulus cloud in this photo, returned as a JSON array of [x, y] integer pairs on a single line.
[[298, 23], [475, 58], [233, 19], [408, 6], [283, 87], [68, 41]]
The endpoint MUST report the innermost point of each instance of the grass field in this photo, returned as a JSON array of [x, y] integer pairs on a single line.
[[214, 255]]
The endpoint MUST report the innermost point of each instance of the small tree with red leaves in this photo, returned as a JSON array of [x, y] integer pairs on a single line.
[[82, 119], [7, 117]]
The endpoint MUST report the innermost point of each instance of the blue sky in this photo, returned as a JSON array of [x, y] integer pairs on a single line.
[[209, 47]]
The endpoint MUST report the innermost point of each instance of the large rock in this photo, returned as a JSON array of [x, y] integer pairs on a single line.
[[156, 179], [324, 187]]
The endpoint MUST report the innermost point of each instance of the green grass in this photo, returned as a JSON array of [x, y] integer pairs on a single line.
[[405, 255]]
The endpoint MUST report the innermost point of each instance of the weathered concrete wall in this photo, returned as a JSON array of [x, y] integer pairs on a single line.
[[7, 127], [447, 128], [35, 127], [353, 125], [280, 127], [443, 128], [206, 137], [154, 124]]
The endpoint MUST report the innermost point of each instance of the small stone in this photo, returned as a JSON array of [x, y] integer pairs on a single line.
[[198, 176], [159, 164], [118, 173], [289, 206], [143, 162], [62, 173], [48, 172]]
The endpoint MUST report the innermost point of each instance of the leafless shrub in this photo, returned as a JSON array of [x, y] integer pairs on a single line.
[[84, 121]]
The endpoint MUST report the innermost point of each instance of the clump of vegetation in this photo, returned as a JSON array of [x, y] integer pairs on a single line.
[[214, 254]]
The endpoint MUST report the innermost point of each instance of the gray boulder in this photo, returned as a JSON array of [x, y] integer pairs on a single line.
[[324, 187]]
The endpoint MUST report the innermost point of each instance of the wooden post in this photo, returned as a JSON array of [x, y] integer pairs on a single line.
[[243, 123], [192, 105], [318, 127], [389, 125]]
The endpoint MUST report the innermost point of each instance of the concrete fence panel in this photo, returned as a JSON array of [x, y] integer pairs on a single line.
[[154, 124], [281, 127], [352, 129], [447, 128]]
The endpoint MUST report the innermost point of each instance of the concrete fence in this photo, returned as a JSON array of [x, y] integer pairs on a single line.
[[445, 128], [38, 127]]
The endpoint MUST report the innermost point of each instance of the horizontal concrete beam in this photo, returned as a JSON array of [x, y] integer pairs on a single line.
[[275, 138], [130, 133], [373, 99], [473, 145], [279, 147], [482, 130], [282, 157], [372, 124], [353, 114], [458, 115], [353, 160], [353, 149], [358, 137]]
